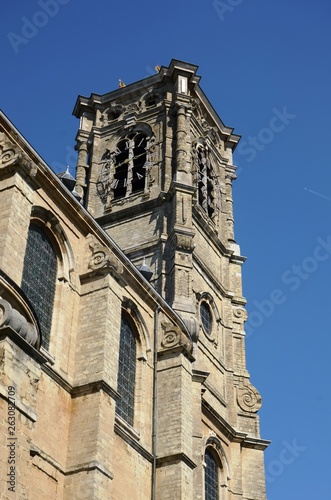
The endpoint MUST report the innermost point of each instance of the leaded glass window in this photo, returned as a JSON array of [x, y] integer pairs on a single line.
[[206, 317], [39, 278], [126, 372], [211, 477]]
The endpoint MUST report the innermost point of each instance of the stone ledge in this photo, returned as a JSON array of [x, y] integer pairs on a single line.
[[8, 333], [21, 407], [84, 467], [231, 434], [175, 458], [131, 436]]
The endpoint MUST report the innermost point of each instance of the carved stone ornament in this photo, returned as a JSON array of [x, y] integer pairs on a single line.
[[11, 154], [174, 337], [103, 259], [240, 313], [192, 324], [248, 398], [184, 242], [12, 318], [113, 112]]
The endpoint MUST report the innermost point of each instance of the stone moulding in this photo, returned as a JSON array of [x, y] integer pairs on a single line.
[[93, 465], [175, 459], [230, 433]]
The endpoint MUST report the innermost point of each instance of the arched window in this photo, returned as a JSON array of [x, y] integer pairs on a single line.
[[206, 182], [211, 476], [130, 165], [206, 317], [126, 378], [39, 278]]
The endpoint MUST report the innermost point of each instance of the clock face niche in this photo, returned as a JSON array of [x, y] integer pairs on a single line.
[[125, 170]]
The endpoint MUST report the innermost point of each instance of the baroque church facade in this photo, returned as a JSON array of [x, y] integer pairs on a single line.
[[122, 342]]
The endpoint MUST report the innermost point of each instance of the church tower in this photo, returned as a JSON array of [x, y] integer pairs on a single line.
[[155, 171]]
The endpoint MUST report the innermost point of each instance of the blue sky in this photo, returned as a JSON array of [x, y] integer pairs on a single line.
[[265, 67]]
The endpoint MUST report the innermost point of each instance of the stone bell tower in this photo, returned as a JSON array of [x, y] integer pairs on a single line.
[[155, 170]]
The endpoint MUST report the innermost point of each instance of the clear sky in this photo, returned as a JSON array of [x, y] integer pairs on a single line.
[[265, 67]]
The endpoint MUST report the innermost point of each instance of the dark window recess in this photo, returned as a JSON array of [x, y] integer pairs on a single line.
[[126, 372], [139, 160], [39, 278], [121, 169], [206, 184], [206, 317], [130, 165], [211, 477]]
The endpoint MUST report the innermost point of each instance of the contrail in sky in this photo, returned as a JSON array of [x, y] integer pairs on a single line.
[[318, 194]]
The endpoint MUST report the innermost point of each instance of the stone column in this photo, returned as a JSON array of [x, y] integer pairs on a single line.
[[81, 167]]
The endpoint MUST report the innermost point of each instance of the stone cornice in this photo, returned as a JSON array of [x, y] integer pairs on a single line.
[[75, 391], [12, 336], [230, 433], [84, 467], [166, 74], [80, 390], [175, 458]]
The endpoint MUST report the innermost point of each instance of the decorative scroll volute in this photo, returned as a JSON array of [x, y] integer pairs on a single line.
[[103, 259], [248, 398], [8, 151], [11, 154], [174, 337], [239, 315]]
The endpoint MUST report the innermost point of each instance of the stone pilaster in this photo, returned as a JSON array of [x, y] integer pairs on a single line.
[[175, 464]]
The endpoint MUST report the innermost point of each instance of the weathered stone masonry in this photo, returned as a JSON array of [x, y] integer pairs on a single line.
[[146, 254]]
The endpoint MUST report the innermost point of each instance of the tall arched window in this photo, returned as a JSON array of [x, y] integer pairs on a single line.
[[206, 183], [126, 377], [211, 476], [39, 278]]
